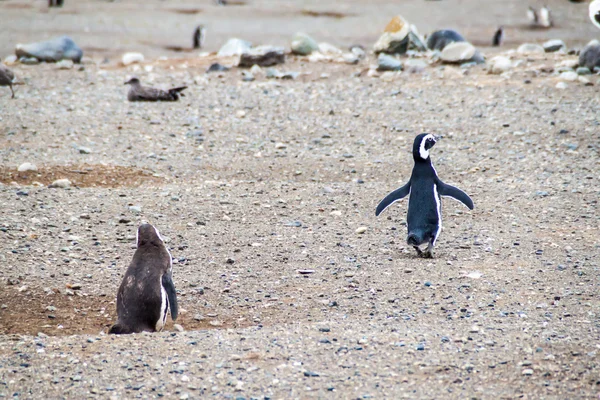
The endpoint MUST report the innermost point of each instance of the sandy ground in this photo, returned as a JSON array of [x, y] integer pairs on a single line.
[[251, 182]]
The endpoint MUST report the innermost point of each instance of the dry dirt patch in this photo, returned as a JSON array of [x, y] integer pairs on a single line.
[[83, 175], [28, 311]]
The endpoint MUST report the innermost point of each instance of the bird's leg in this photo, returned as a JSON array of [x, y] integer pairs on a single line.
[[429, 252], [419, 252], [13, 92]]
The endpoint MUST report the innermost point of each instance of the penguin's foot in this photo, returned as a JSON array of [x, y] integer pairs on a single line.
[[419, 251], [427, 254]]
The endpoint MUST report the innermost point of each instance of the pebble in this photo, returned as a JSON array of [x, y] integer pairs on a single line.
[[135, 209], [562, 85], [394, 39], [234, 47], [527, 371], [568, 76], [500, 64], [388, 63], [132, 58], [60, 183], [360, 230], [554, 45], [84, 150], [216, 67], [65, 64], [530, 48], [583, 71], [303, 45], [306, 271], [25, 167], [458, 53], [29, 60]]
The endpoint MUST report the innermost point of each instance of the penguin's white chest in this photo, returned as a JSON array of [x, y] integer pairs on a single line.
[[164, 306]]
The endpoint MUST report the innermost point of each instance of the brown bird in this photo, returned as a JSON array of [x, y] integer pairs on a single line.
[[6, 78], [143, 93]]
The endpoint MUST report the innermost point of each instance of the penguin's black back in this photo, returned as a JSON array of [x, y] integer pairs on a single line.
[[139, 299], [422, 219]]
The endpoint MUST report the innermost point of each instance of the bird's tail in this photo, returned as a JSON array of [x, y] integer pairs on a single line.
[[118, 329], [414, 239], [177, 89]]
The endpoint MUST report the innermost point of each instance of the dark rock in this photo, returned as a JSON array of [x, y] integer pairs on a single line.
[[440, 39], [265, 56]]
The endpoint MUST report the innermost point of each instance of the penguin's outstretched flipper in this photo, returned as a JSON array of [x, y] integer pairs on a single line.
[[455, 193], [396, 195], [167, 283]]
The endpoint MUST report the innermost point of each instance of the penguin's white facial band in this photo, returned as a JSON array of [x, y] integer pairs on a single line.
[[158, 234], [427, 142]]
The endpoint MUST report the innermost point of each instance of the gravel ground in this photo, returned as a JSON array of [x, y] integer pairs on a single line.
[[252, 182]]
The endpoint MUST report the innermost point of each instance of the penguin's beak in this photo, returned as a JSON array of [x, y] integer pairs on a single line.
[[437, 137]]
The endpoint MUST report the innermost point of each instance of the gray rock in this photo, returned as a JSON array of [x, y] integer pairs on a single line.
[[29, 60], [60, 183], [303, 45], [271, 73], [554, 45], [234, 47], [415, 65], [386, 62], [216, 67], [583, 71], [438, 40], [52, 50], [590, 56], [85, 150], [530, 48], [247, 76], [264, 56]]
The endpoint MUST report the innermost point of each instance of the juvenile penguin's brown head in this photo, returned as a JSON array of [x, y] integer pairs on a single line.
[[148, 235]]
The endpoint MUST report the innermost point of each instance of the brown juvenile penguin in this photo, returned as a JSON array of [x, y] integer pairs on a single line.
[[6, 78]]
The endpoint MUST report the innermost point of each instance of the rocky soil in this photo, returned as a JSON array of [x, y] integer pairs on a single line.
[[265, 191]]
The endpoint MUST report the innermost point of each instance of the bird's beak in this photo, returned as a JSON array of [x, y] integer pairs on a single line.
[[438, 137], [126, 83]]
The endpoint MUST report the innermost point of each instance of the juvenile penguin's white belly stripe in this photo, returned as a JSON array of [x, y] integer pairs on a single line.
[[162, 318], [439, 212]]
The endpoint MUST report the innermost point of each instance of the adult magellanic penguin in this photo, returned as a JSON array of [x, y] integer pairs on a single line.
[[147, 293], [424, 203], [595, 12]]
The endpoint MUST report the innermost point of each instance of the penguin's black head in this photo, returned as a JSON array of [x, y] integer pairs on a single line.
[[133, 81], [423, 143], [147, 234]]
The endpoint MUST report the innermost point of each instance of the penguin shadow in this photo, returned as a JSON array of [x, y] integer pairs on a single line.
[[185, 11], [325, 14]]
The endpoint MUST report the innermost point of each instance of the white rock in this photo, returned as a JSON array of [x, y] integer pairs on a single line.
[[530, 48], [132, 58], [65, 64], [234, 47], [500, 64], [562, 85], [458, 52], [394, 39], [360, 230], [569, 76], [10, 60], [326, 48], [474, 275], [554, 45], [25, 167], [60, 183]]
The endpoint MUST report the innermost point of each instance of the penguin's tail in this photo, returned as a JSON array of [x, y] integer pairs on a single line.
[[414, 239], [118, 329]]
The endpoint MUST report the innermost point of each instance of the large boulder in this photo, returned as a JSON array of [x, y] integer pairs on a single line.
[[438, 40], [303, 45], [234, 47], [265, 56], [53, 50], [398, 37], [590, 56]]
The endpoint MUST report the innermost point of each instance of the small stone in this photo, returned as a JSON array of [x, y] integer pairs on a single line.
[[132, 58], [329, 49], [26, 167], [562, 85], [394, 39], [306, 271], [230, 261], [60, 183], [65, 64], [216, 67], [263, 56], [500, 64], [303, 45], [29, 60], [215, 323], [583, 71], [527, 371], [590, 56], [234, 47], [458, 53], [311, 374], [568, 76], [360, 230], [530, 48], [421, 347], [388, 63], [199, 317], [85, 150], [554, 45], [135, 209]]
